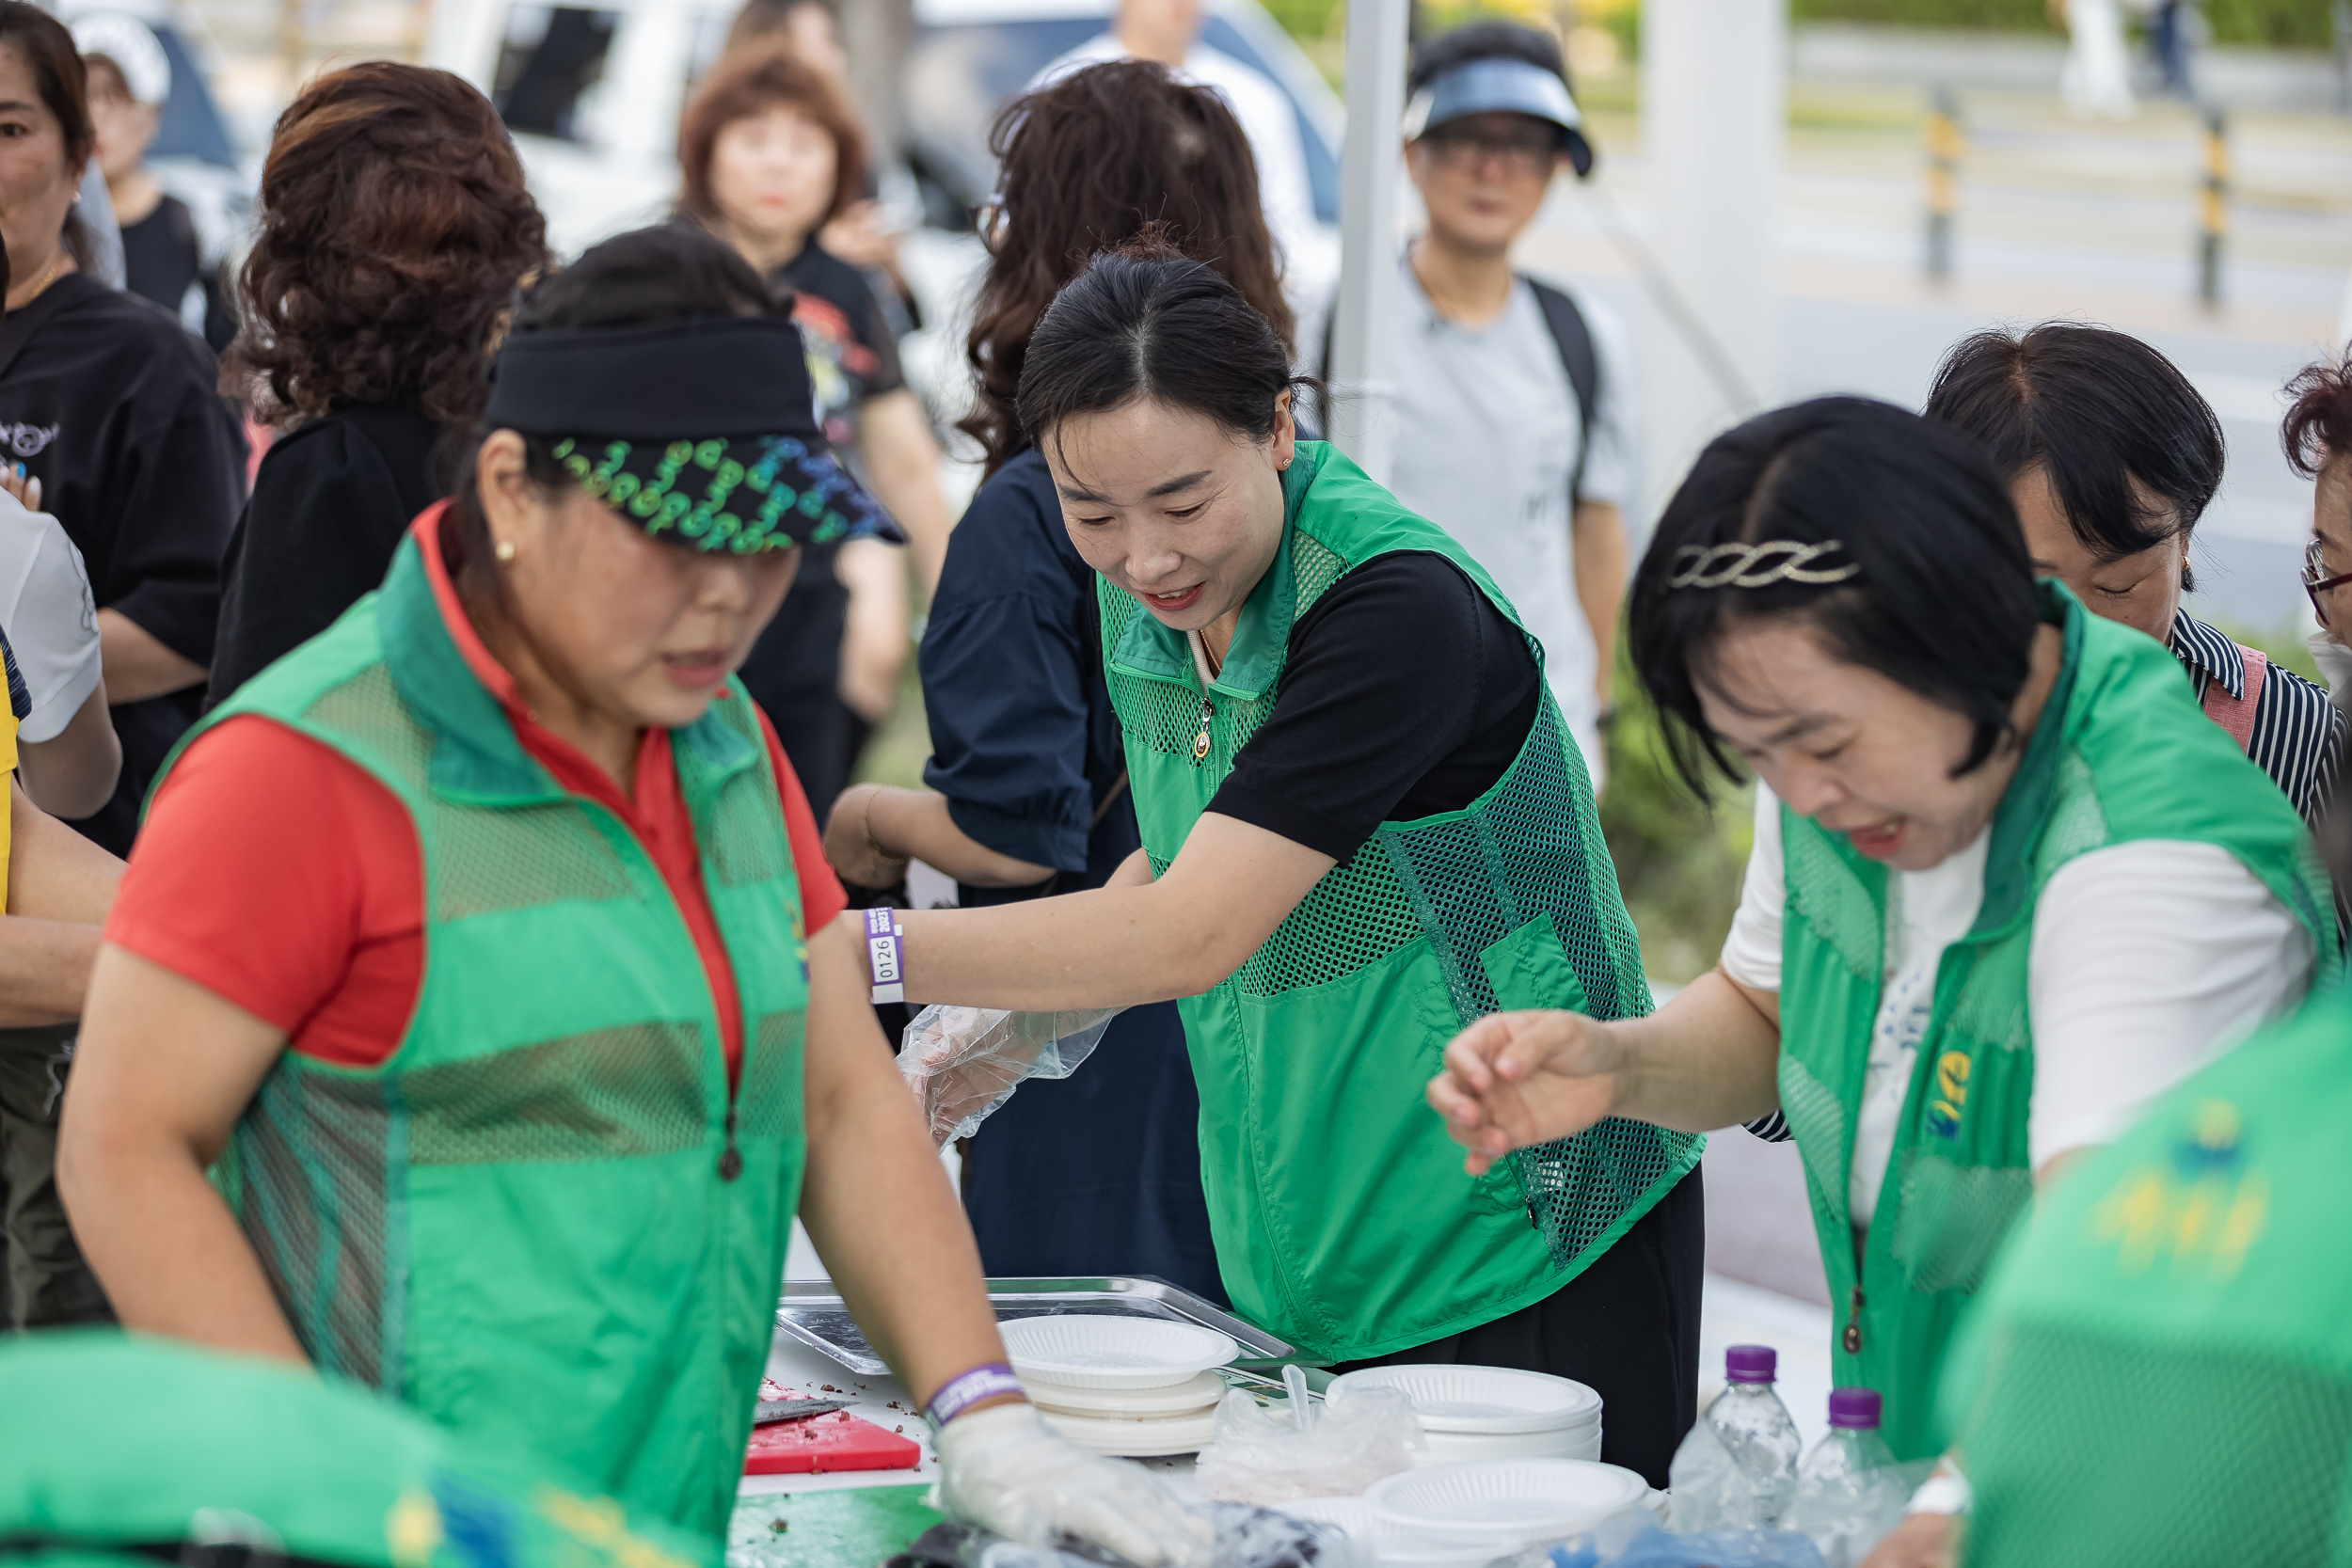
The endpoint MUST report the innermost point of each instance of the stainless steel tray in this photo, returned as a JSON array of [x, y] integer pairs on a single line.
[[815, 1315]]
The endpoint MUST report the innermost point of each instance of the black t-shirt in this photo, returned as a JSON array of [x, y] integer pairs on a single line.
[[161, 259], [330, 505], [112, 406], [1406, 693], [794, 669]]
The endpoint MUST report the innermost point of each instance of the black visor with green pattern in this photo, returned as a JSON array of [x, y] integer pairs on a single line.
[[704, 432]]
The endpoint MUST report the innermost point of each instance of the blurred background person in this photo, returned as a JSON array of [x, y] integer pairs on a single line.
[[1168, 33], [865, 234], [1098, 1173], [395, 227], [56, 733], [2096, 81], [2318, 435], [2111, 457], [163, 253], [768, 152], [1521, 443], [113, 410]]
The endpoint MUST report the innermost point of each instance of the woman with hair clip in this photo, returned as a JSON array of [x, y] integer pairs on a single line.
[[2007, 885], [1362, 825], [111, 405], [513, 1095], [394, 226], [1099, 1173]]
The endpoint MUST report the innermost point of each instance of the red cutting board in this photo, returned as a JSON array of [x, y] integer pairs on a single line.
[[839, 1441]]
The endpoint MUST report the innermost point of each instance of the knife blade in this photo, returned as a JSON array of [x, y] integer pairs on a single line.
[[769, 1412]]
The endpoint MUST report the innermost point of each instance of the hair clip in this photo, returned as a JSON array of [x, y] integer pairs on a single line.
[[1741, 565]]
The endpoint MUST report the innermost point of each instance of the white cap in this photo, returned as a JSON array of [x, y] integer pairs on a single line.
[[132, 45]]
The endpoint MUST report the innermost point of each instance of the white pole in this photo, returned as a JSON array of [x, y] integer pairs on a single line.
[[1713, 117], [1363, 412]]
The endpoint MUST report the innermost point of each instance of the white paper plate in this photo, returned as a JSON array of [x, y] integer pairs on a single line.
[[1136, 1439], [1489, 1401], [1188, 1398], [1382, 1543], [1456, 1447], [1505, 1503], [1093, 1351]]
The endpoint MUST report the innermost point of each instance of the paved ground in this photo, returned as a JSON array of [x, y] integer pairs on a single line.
[[2092, 222]]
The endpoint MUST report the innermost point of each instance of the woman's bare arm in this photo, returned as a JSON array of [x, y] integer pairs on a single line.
[[1115, 947], [902, 461], [163, 1070], [60, 886], [73, 773], [136, 663], [874, 1198], [876, 829]]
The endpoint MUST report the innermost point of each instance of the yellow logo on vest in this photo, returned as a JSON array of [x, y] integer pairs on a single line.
[[1950, 1097], [2202, 1211]]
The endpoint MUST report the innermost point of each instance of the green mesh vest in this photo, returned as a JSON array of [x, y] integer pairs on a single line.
[[1342, 1218], [302, 1467], [543, 1221], [2160, 1370], [2122, 753]]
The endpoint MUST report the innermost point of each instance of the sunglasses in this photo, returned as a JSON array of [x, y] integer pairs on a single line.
[[2316, 580]]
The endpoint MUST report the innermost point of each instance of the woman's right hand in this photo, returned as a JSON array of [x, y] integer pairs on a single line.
[[1515, 1079], [1004, 1471]]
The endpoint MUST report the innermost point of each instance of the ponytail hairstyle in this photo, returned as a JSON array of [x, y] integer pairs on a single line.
[[1146, 322]]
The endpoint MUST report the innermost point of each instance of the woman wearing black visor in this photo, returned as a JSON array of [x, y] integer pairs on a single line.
[[515, 1091]]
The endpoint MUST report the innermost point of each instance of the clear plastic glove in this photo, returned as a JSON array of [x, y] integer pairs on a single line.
[[962, 1063], [1004, 1471]]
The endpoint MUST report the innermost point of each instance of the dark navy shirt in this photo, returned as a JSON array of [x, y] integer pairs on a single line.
[[1098, 1173], [1024, 741]]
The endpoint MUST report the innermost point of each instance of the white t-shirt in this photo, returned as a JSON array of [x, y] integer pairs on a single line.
[[51, 622], [2148, 960], [1267, 118], [1489, 434]]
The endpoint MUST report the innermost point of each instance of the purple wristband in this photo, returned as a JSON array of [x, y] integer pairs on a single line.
[[883, 955], [966, 1389]]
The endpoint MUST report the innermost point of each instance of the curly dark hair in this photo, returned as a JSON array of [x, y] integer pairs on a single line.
[[2319, 425], [395, 227], [1089, 163]]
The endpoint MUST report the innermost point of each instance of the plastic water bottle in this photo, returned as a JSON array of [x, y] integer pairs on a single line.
[[1738, 1470], [1849, 1492]]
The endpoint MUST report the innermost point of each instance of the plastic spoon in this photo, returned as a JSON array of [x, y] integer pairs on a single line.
[[1295, 1384]]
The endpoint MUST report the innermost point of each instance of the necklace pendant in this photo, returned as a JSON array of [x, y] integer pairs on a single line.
[[1201, 741]]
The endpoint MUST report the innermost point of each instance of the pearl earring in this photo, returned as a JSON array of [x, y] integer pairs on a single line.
[[505, 549]]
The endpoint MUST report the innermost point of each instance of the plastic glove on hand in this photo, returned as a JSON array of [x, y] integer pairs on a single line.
[[1004, 1471]]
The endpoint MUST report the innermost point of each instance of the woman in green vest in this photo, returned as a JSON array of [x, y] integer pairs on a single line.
[[2009, 883], [1363, 825], [480, 949]]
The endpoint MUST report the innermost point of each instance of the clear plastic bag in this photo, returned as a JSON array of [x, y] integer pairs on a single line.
[[1246, 1538], [1633, 1540], [1257, 1454], [962, 1063]]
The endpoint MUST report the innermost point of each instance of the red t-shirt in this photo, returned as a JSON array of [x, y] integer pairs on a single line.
[[276, 873]]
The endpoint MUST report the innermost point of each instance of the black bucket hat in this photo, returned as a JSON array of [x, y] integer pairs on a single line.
[[703, 433]]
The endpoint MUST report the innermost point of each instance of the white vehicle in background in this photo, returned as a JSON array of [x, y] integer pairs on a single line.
[[594, 93]]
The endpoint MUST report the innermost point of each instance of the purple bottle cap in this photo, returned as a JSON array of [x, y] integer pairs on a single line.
[[1854, 1407], [1750, 1362]]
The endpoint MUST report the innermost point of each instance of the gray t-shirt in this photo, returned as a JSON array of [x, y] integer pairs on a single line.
[[1487, 431]]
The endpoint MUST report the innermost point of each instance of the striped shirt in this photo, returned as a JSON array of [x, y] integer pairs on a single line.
[[2297, 735], [2297, 730]]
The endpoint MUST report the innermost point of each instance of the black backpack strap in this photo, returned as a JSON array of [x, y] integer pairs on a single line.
[[1574, 339]]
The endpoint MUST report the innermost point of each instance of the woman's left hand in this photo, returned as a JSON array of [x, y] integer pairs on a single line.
[[851, 846], [1921, 1540]]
